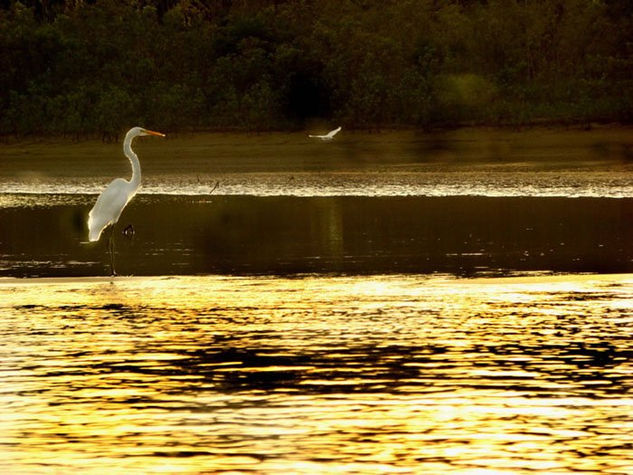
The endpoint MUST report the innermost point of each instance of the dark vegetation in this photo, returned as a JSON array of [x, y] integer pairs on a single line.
[[98, 66]]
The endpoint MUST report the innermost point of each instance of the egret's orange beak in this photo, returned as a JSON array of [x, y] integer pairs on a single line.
[[151, 132]]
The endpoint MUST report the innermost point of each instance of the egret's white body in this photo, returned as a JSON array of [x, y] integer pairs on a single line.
[[329, 136], [109, 206], [118, 193]]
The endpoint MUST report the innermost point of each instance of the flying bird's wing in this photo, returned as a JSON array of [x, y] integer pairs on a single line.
[[332, 133], [327, 136]]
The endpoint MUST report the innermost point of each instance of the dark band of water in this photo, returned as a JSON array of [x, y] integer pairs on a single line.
[[462, 235]]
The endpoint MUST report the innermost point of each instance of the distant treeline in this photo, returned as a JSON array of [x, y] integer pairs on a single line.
[[98, 66]]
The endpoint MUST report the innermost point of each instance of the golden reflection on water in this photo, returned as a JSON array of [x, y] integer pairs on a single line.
[[372, 374]]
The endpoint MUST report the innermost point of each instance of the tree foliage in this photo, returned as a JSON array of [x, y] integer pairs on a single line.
[[97, 66]]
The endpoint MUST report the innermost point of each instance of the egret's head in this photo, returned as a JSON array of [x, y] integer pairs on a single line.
[[136, 131]]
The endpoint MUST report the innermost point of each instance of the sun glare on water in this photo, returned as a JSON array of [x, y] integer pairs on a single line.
[[316, 374]]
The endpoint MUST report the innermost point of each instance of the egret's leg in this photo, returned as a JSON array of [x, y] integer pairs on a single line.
[[111, 249]]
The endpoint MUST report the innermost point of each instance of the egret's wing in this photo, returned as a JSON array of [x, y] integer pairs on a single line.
[[332, 133], [108, 207]]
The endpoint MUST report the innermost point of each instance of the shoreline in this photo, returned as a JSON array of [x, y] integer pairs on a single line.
[[529, 278], [535, 126]]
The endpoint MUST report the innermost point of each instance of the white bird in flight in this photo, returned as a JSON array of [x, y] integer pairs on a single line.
[[117, 195], [329, 136]]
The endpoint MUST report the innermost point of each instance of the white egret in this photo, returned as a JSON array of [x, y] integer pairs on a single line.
[[117, 195], [329, 136]]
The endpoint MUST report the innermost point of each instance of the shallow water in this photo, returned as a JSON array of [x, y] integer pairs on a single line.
[[467, 162], [467, 202], [368, 374], [322, 310], [244, 235]]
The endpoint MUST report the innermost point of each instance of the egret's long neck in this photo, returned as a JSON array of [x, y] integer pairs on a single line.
[[136, 165]]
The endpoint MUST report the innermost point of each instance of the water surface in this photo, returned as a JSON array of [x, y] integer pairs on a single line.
[[241, 235], [482, 162], [370, 374], [323, 310]]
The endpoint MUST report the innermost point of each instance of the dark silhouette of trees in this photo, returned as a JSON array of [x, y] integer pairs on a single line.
[[97, 66]]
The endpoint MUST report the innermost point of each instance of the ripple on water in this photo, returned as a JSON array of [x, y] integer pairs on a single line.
[[317, 374], [430, 181]]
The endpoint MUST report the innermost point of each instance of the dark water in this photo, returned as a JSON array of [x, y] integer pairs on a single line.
[[464, 236]]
